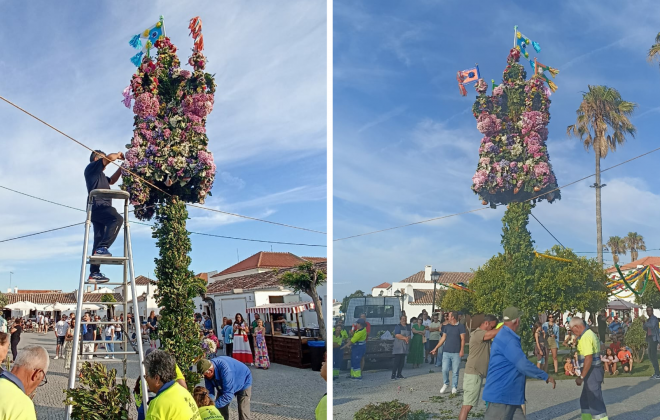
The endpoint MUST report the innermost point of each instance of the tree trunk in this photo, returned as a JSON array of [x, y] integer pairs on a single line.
[[599, 221], [318, 307]]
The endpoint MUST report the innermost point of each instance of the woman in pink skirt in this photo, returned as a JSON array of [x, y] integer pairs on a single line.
[[260, 349]]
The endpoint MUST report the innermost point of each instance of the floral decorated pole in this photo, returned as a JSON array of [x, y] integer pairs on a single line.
[[169, 144], [167, 165], [513, 157]]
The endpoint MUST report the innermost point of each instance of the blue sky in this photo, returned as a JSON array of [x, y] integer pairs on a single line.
[[405, 141], [68, 64]]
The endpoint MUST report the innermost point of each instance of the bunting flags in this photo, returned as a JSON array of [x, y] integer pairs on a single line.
[[467, 76], [146, 40]]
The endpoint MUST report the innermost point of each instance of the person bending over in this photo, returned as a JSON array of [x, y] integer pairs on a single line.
[[105, 219]]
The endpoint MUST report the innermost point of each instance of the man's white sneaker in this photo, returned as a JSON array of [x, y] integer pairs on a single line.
[[454, 390], [56, 357], [106, 357], [443, 389]]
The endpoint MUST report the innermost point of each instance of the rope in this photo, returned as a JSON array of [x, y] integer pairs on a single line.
[[39, 233], [546, 229], [139, 223], [486, 208], [151, 184]]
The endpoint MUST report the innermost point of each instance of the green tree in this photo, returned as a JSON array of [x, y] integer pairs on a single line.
[[3, 300], [635, 338], [602, 124], [110, 308], [459, 300], [344, 303], [635, 243], [177, 286], [654, 51], [307, 277], [651, 296], [617, 246]]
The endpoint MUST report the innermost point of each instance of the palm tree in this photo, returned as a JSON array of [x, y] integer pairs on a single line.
[[635, 243], [654, 51], [617, 246], [602, 124]]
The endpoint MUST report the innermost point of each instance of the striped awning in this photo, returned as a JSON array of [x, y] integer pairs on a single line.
[[282, 308]]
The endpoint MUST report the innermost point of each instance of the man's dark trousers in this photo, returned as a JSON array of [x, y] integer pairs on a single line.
[[653, 354], [243, 400], [106, 222]]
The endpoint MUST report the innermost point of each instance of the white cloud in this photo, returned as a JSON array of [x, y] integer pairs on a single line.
[[232, 181]]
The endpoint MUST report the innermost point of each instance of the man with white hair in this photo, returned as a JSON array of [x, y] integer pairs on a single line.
[[17, 387], [507, 372], [592, 372]]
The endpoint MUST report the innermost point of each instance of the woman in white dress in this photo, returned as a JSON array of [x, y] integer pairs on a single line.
[[241, 350]]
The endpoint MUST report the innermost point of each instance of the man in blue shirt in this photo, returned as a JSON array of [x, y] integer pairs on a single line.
[[507, 372], [208, 324], [230, 378], [105, 219]]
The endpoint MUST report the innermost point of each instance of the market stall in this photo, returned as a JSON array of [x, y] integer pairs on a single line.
[[292, 348]]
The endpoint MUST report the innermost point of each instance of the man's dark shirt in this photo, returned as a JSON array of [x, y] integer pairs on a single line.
[[602, 324], [89, 336], [96, 180]]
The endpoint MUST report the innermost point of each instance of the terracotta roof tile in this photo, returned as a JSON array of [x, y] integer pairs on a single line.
[[383, 286], [631, 266], [143, 281], [422, 297], [268, 260], [255, 281], [445, 277], [51, 298], [204, 276], [38, 291]]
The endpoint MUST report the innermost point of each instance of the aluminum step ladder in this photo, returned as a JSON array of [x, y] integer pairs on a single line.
[[128, 281]]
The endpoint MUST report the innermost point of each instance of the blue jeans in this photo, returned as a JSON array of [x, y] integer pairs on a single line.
[[109, 347], [438, 357], [451, 361]]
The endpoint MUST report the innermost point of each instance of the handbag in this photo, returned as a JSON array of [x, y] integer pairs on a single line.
[[245, 337]]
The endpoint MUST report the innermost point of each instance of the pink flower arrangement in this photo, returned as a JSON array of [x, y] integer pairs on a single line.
[[488, 124], [146, 105]]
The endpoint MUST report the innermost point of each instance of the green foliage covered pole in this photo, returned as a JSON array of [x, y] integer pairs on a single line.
[[177, 286]]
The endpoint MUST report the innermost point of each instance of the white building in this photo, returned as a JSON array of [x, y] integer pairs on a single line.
[[335, 308], [383, 289], [417, 290], [231, 295]]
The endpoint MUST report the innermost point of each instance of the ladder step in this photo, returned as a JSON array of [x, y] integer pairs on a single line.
[[107, 284], [97, 259], [102, 322], [103, 353], [112, 194], [104, 341]]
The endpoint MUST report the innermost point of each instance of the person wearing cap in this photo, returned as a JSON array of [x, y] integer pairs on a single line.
[[226, 378], [592, 373], [358, 345], [508, 369], [653, 339]]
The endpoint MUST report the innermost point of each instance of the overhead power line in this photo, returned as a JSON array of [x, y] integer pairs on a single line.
[[546, 229], [498, 205], [139, 223], [151, 184]]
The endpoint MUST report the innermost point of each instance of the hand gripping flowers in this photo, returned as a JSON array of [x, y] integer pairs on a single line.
[[169, 144], [513, 158]]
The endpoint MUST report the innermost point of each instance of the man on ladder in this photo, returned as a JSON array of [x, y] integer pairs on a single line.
[[105, 219]]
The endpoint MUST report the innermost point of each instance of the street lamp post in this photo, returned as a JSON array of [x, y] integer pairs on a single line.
[[401, 296], [435, 276]]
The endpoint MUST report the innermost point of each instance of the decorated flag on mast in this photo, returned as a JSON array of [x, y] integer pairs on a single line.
[[540, 69], [146, 40], [521, 42], [195, 27], [467, 76]]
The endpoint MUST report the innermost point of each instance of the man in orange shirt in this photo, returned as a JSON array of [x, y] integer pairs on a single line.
[[357, 327], [626, 359]]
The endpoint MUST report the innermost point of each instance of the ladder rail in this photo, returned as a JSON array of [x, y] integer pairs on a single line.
[[138, 332], [77, 350], [81, 287]]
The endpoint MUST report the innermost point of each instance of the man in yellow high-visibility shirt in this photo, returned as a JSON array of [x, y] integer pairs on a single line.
[[18, 386], [358, 346]]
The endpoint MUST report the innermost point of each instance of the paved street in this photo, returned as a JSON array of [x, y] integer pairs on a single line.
[[626, 398], [279, 393]]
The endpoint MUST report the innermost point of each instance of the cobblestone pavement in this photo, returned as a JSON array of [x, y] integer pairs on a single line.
[[279, 393], [626, 398]]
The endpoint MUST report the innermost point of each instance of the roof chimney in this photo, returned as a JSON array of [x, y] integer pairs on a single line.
[[89, 289], [427, 273], [15, 289]]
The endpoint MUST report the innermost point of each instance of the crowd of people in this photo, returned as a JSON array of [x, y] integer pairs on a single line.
[[496, 353]]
